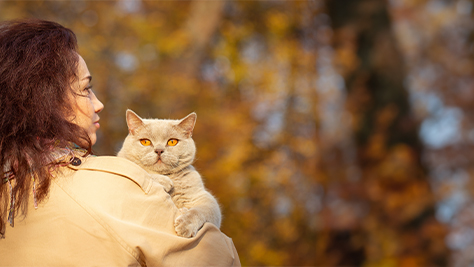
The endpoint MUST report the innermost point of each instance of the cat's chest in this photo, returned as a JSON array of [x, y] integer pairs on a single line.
[[186, 182], [180, 182]]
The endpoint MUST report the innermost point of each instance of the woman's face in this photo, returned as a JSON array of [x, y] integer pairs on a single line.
[[86, 106]]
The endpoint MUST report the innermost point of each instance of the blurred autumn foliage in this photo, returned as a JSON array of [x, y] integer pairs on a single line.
[[333, 133]]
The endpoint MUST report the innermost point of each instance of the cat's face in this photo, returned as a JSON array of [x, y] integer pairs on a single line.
[[163, 146]]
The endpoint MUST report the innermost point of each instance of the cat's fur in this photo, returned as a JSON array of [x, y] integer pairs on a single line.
[[177, 175]]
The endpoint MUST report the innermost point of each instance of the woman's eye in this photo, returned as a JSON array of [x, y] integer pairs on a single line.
[[172, 142], [88, 90], [145, 142]]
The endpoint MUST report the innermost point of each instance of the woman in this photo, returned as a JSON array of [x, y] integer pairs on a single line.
[[78, 209]]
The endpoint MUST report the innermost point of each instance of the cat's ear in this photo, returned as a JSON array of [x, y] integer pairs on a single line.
[[187, 124], [133, 121]]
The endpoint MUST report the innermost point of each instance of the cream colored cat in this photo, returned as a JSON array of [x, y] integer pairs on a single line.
[[165, 147]]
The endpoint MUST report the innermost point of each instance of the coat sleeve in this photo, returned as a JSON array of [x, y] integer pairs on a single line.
[[139, 214]]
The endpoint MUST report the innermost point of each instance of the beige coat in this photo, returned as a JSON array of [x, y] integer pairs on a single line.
[[107, 211]]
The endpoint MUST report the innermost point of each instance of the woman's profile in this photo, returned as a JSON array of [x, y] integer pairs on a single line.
[[60, 205]]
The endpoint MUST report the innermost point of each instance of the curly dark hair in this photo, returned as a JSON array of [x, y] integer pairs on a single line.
[[38, 63]]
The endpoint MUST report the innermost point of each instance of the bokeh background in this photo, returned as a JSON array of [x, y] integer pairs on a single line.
[[333, 133]]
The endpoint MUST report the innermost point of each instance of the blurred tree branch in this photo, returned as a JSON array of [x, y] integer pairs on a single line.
[[202, 23]]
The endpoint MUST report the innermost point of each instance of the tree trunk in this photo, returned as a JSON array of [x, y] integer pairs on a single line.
[[400, 227]]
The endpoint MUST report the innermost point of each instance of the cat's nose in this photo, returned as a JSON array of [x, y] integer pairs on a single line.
[[159, 151]]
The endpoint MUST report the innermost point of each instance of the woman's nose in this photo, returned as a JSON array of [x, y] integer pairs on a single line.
[[98, 106]]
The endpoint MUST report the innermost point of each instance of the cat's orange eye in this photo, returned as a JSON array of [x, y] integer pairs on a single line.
[[172, 142], [145, 142]]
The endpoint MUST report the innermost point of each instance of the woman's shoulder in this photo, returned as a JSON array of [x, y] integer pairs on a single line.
[[97, 167], [106, 182]]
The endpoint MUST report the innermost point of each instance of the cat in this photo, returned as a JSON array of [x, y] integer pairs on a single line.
[[166, 147]]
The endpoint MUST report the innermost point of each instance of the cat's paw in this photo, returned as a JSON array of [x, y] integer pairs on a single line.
[[165, 181], [188, 223]]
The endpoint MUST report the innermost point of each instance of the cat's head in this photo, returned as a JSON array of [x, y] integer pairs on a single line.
[[164, 146]]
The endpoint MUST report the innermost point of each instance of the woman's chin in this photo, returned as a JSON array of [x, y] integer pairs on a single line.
[[93, 139]]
